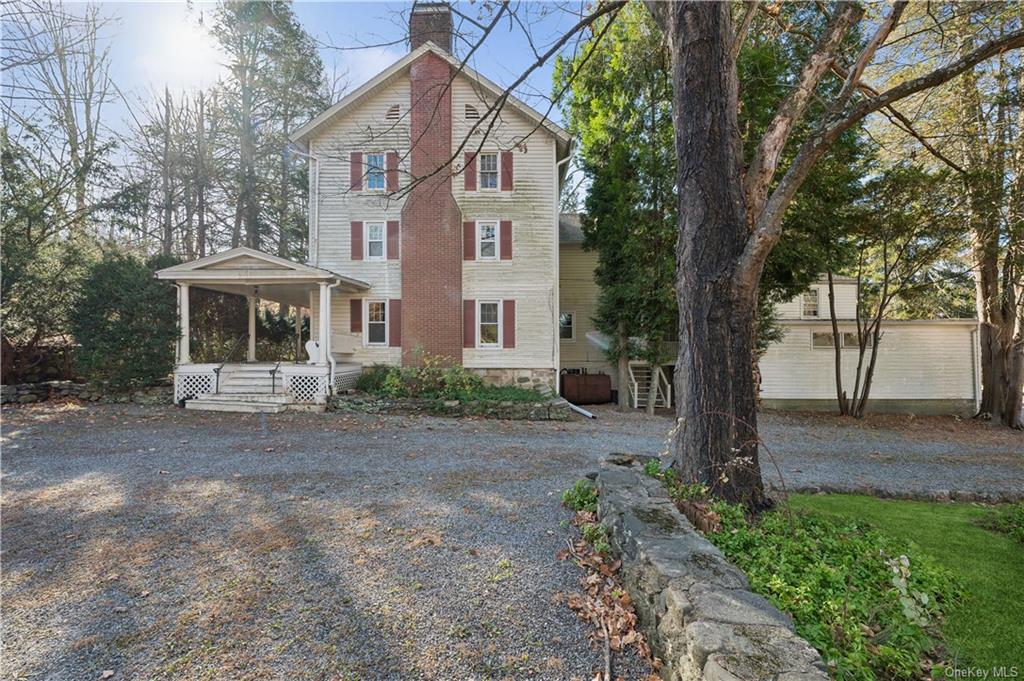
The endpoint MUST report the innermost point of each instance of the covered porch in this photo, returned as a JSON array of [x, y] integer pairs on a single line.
[[260, 276]]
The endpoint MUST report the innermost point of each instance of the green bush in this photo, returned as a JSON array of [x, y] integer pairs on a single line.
[[582, 496], [871, 604], [1007, 519], [435, 378], [125, 322]]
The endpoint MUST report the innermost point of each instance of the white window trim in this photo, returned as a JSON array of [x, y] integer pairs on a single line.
[[366, 322], [366, 171], [383, 241], [572, 326], [480, 171], [817, 291], [501, 324], [497, 240]]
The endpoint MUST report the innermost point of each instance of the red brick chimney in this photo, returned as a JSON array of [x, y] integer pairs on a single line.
[[431, 21], [431, 231]]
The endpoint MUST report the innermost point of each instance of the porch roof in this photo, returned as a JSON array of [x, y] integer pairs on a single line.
[[246, 271]]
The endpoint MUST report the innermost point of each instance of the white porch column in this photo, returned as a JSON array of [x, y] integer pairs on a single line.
[[183, 323], [324, 318], [298, 333], [251, 355]]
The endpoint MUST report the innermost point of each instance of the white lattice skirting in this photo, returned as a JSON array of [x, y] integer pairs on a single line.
[[188, 386], [305, 388]]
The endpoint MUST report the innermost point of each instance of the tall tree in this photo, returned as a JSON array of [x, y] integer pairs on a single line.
[[731, 212]]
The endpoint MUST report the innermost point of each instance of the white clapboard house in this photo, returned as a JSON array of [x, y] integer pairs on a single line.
[[434, 227]]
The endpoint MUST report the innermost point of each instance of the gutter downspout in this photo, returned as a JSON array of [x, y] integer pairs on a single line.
[[557, 349]]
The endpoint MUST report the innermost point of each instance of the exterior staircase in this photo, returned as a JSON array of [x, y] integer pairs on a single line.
[[251, 389], [640, 386]]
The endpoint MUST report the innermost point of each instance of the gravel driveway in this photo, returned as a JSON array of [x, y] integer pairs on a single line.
[[159, 543]]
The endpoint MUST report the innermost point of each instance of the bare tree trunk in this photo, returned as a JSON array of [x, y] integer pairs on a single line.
[[622, 365], [716, 441], [165, 176], [844, 404], [201, 176], [247, 160]]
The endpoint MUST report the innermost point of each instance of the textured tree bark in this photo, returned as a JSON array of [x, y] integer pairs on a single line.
[[844, 404], [716, 438]]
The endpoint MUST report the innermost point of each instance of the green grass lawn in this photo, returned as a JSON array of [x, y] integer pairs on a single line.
[[987, 628]]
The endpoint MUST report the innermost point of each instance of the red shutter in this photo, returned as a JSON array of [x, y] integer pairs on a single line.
[[355, 308], [395, 323], [506, 239], [392, 239], [469, 173], [508, 323], [506, 171], [469, 241], [469, 323], [392, 171], [357, 240], [355, 170]]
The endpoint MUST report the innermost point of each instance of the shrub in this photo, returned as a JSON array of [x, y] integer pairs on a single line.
[[1007, 519], [870, 604], [582, 496], [437, 378], [125, 322], [372, 378]]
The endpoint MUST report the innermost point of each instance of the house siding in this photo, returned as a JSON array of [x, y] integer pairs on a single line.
[[917, 361], [530, 277], [846, 302], [578, 293]]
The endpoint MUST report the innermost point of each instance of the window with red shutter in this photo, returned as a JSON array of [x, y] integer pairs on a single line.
[[469, 171], [393, 240], [392, 171], [355, 309], [356, 230], [355, 169], [469, 240], [508, 323], [506, 239], [468, 323], [395, 323], [507, 182]]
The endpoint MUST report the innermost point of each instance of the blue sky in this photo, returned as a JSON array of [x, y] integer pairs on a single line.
[[158, 43]]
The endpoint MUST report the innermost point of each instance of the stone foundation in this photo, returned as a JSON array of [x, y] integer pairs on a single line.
[[696, 608], [28, 393], [543, 380], [360, 403]]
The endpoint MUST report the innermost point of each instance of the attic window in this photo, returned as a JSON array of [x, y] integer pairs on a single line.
[[393, 113], [471, 113]]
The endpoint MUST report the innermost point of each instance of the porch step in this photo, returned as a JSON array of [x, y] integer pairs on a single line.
[[250, 406], [251, 403]]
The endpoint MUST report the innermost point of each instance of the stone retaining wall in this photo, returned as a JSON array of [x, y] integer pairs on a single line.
[[696, 608], [555, 409], [27, 393]]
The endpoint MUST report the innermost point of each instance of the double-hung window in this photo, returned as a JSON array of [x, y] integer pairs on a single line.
[[375, 241], [809, 303], [377, 322], [487, 240], [375, 171], [567, 326], [488, 171], [489, 325]]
